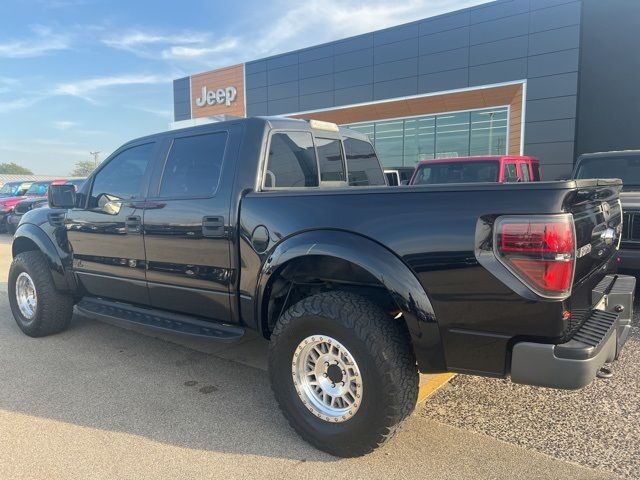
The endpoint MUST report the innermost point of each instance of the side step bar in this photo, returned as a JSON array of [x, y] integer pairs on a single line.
[[159, 320]]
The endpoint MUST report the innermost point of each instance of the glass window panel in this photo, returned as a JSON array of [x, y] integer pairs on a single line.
[[389, 139], [330, 159], [489, 132], [193, 166], [452, 135], [419, 140], [367, 129], [362, 164], [122, 177], [292, 161]]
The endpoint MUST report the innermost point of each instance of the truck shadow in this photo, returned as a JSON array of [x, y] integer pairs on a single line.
[[105, 377]]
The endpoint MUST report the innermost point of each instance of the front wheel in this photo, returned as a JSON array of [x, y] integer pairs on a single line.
[[38, 308], [342, 372]]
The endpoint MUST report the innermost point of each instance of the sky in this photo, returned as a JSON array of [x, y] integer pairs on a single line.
[[88, 75]]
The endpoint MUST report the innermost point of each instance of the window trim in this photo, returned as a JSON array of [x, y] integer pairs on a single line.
[[163, 166], [145, 175]]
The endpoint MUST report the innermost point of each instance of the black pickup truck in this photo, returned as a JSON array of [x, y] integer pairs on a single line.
[[287, 227]]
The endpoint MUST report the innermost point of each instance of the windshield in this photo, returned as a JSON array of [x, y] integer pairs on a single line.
[[38, 188], [626, 168], [9, 188], [457, 172]]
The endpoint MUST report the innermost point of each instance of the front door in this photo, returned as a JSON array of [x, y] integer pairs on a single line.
[[186, 221], [106, 235]]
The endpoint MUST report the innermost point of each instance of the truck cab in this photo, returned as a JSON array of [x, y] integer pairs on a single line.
[[502, 169]]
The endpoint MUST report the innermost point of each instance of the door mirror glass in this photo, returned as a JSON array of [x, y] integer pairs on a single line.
[[62, 196]]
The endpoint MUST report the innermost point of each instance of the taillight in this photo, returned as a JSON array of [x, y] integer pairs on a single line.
[[540, 250]]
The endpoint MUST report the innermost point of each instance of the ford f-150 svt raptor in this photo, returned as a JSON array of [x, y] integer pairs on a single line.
[[287, 227]]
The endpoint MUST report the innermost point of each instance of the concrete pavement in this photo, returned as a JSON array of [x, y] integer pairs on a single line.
[[100, 401]]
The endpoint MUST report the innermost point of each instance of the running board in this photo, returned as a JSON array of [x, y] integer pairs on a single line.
[[159, 320]]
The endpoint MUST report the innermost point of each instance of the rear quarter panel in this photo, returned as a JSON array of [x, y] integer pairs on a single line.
[[432, 230]]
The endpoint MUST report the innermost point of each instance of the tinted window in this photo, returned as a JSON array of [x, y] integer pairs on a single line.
[[292, 161], [536, 172], [193, 166], [457, 172], [626, 168], [525, 172], [510, 172], [362, 164], [330, 159], [122, 177], [392, 179], [38, 188]]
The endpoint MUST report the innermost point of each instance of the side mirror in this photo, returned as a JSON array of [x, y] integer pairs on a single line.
[[62, 196], [404, 182]]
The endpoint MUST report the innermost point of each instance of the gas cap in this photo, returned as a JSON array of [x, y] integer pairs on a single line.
[[260, 239]]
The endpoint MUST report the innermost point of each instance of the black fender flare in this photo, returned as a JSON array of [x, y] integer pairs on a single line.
[[43, 242], [399, 280]]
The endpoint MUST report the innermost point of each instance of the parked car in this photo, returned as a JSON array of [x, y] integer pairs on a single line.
[[286, 227], [626, 166], [7, 204], [398, 176], [14, 189], [13, 219], [506, 168]]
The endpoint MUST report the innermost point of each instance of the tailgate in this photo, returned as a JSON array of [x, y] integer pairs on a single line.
[[597, 216]]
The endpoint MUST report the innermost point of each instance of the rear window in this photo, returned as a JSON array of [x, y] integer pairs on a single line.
[[330, 159], [457, 172], [38, 188], [625, 168], [363, 166], [291, 162], [536, 172]]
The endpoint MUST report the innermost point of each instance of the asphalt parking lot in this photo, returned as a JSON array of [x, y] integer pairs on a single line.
[[101, 401]]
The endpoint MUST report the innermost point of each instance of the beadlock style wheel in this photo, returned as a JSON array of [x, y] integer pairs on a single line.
[[26, 296], [326, 378]]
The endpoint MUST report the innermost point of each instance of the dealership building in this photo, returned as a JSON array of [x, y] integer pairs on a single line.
[[548, 78]]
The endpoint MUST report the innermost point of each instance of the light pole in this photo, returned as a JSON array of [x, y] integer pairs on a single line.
[[95, 158]]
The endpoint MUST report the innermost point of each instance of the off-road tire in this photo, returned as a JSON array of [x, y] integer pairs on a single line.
[[380, 346], [54, 309]]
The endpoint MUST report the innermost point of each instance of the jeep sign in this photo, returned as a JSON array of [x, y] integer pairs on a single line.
[[219, 96]]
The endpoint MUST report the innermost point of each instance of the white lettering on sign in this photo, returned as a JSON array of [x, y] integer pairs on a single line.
[[219, 96]]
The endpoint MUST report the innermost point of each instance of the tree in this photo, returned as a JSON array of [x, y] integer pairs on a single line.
[[14, 169], [83, 168]]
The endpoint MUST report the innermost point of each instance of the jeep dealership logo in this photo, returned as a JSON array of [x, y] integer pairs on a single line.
[[219, 96]]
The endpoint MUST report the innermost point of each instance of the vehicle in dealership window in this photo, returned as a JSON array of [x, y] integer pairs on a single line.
[[13, 219], [7, 204], [398, 176], [287, 227], [626, 166], [14, 189], [504, 169]]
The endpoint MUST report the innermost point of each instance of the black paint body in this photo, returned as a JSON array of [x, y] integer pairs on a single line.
[[427, 247]]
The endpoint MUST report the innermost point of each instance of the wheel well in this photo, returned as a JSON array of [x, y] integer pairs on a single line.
[[23, 244], [305, 276]]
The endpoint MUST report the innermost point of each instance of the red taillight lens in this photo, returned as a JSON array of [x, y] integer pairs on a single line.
[[540, 250]]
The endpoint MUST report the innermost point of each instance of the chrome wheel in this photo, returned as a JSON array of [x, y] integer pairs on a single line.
[[26, 295], [326, 378]]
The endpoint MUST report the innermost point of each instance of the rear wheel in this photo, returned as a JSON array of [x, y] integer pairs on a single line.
[[343, 372], [38, 308]]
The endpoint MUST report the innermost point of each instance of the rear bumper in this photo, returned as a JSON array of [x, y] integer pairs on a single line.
[[574, 364]]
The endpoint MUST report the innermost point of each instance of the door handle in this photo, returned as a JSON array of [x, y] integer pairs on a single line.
[[212, 226], [132, 224]]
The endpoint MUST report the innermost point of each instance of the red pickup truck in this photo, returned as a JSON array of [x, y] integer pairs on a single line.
[[506, 168]]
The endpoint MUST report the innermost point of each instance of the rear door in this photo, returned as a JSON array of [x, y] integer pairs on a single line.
[[186, 224]]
